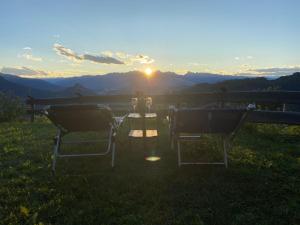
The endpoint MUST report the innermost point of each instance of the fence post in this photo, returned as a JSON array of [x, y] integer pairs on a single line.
[[30, 102], [223, 91], [283, 107], [32, 112]]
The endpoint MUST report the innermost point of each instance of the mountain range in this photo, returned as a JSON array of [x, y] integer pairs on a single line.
[[112, 83], [130, 82], [286, 83], [160, 82]]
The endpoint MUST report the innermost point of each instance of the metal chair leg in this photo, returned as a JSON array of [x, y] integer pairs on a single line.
[[225, 146], [113, 154], [56, 150], [179, 153], [225, 141], [58, 141], [172, 141]]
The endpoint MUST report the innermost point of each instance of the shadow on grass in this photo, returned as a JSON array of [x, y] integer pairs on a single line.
[[261, 185]]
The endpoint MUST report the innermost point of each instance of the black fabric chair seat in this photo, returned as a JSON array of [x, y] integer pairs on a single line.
[[73, 118], [195, 121], [218, 121]]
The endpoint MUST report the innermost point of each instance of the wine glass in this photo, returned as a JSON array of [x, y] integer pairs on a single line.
[[148, 103], [134, 102]]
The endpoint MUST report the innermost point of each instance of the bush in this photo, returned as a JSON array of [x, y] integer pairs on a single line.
[[11, 107]]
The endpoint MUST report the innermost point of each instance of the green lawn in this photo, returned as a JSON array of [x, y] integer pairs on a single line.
[[261, 185]]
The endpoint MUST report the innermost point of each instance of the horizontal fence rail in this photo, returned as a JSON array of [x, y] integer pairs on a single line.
[[264, 97], [239, 97], [280, 97], [290, 118]]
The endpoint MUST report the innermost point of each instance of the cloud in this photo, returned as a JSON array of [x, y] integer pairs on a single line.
[[243, 58], [107, 57], [101, 59], [193, 64], [66, 52], [289, 69], [197, 64], [108, 53], [29, 56], [270, 71], [130, 59], [143, 59], [23, 71], [56, 36], [70, 54]]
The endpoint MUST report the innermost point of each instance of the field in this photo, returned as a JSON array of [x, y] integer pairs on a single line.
[[261, 185]]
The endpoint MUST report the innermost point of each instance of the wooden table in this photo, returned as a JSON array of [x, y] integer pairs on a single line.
[[139, 116], [140, 133]]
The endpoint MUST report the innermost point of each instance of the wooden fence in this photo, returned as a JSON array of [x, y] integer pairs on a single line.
[[265, 97], [283, 97]]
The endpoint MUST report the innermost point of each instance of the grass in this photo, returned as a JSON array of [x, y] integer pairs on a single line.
[[261, 185]]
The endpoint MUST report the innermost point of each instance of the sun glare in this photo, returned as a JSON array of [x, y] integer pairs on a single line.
[[152, 158], [148, 72]]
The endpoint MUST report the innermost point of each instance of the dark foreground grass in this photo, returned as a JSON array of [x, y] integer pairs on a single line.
[[261, 185]]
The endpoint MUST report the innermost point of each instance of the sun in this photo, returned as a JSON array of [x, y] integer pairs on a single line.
[[148, 71]]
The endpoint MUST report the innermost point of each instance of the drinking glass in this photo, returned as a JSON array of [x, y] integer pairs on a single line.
[[148, 103], [134, 102]]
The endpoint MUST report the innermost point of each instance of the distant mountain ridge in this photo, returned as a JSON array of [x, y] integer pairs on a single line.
[[23, 87], [76, 90], [209, 78], [21, 90], [32, 82], [286, 83], [130, 82]]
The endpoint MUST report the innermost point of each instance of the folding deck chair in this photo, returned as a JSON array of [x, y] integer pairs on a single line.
[[82, 118], [195, 121]]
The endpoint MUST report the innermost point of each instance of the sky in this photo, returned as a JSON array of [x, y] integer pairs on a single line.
[[86, 37]]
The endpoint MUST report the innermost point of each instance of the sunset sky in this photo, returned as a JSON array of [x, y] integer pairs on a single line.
[[66, 38]]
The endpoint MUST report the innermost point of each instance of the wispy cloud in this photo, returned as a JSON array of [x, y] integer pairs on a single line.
[[23, 71], [244, 58], [108, 53], [106, 57], [28, 71], [194, 64], [101, 59], [130, 59], [70, 54], [197, 64], [269, 71], [143, 59], [66, 52], [29, 56], [288, 69], [56, 36]]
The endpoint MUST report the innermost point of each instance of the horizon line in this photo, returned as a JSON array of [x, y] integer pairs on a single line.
[[246, 75]]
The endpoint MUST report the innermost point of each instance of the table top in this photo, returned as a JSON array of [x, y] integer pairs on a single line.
[[138, 115], [139, 133]]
